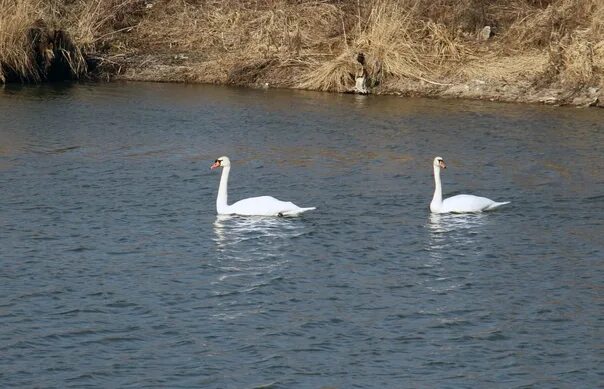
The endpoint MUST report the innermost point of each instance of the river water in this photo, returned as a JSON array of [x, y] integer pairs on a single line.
[[116, 271]]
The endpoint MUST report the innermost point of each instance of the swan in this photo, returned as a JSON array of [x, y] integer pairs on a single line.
[[460, 203], [254, 206]]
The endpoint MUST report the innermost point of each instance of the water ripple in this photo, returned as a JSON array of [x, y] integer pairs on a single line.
[[117, 272]]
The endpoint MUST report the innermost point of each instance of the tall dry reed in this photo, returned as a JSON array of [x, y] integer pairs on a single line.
[[37, 37], [16, 17], [438, 41]]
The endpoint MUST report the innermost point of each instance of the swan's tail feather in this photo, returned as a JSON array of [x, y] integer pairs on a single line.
[[296, 212], [497, 205]]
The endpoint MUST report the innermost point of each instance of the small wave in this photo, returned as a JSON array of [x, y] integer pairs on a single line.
[[78, 249], [37, 149]]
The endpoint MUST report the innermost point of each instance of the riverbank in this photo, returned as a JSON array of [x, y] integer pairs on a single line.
[[534, 51]]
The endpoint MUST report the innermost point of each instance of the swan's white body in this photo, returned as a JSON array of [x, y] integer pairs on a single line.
[[457, 204], [261, 206], [254, 206]]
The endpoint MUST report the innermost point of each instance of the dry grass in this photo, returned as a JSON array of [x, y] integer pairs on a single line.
[[91, 22], [571, 35], [248, 39], [38, 37], [334, 75], [396, 43], [314, 44], [558, 41], [15, 19]]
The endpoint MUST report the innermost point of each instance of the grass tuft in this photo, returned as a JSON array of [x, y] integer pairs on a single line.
[[16, 17], [50, 39]]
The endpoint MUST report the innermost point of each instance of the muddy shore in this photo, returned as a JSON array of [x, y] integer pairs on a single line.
[[179, 68]]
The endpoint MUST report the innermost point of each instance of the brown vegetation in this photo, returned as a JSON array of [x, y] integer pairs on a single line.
[[548, 50], [56, 39]]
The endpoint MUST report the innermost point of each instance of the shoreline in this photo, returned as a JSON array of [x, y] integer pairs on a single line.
[[537, 52], [475, 89]]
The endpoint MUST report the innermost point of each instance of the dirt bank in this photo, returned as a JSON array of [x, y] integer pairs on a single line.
[[537, 51], [522, 89]]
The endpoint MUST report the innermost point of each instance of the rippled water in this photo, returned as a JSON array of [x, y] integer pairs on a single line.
[[116, 271]]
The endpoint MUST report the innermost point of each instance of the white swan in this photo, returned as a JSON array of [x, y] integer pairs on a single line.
[[254, 206], [460, 203]]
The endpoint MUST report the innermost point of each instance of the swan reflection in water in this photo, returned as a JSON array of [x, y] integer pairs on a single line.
[[449, 222], [450, 232], [255, 231], [251, 252], [452, 240]]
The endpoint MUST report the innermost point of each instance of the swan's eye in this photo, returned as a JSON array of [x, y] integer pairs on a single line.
[[217, 161]]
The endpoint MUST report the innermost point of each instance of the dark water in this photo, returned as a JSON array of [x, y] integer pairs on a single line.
[[116, 272]]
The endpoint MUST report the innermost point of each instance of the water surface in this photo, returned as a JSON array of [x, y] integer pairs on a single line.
[[116, 271]]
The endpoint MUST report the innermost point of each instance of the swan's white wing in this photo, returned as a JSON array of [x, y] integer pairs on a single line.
[[466, 203], [265, 206]]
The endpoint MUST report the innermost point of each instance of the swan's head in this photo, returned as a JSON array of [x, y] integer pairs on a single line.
[[221, 162], [439, 162]]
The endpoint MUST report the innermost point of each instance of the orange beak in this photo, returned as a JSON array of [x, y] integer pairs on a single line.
[[442, 164], [215, 165]]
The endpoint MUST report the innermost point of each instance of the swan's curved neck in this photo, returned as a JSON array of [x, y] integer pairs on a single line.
[[437, 200], [221, 200]]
